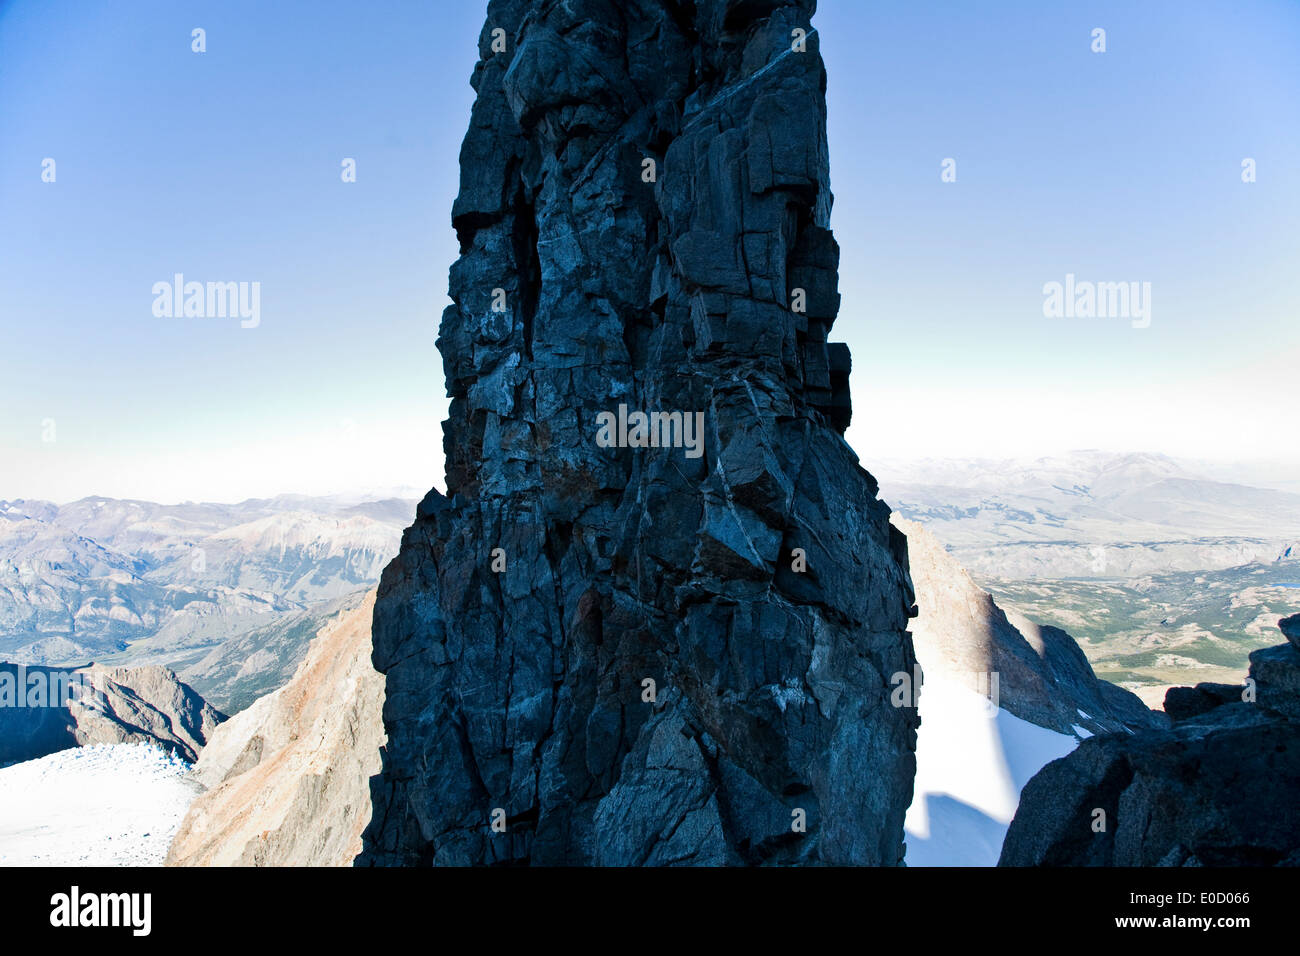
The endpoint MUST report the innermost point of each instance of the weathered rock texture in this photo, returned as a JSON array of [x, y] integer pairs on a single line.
[[1216, 789], [1042, 675], [289, 777], [522, 690], [113, 705], [1291, 629]]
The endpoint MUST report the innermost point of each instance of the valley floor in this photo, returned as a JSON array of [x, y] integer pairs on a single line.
[[1157, 631]]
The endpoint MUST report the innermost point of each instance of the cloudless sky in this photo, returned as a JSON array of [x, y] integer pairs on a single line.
[[225, 165]]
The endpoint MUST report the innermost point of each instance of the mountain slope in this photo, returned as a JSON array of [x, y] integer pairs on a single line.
[[1038, 673], [250, 665], [289, 778], [1000, 698], [104, 705]]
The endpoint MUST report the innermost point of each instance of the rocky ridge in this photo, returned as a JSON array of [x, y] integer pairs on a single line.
[[106, 705], [1215, 789], [1042, 675]]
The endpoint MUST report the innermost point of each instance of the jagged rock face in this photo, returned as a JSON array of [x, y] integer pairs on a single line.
[[710, 289], [1216, 789], [107, 705], [289, 778], [1036, 672]]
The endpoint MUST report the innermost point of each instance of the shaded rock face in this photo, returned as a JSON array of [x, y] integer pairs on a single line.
[[111, 705], [1216, 789], [1036, 672], [701, 282], [1291, 629], [289, 778], [1184, 702]]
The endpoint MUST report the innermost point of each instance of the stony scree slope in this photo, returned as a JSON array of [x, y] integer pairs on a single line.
[[289, 778]]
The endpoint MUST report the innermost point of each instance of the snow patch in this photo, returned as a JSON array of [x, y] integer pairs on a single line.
[[971, 765], [107, 805], [789, 693]]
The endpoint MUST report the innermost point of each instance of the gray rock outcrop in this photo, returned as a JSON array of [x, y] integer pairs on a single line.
[[1042, 675], [1291, 629], [1218, 788], [99, 705], [644, 227], [289, 778]]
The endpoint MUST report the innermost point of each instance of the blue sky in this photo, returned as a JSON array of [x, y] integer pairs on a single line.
[[1115, 166]]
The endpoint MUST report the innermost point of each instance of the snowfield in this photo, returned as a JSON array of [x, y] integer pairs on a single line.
[[972, 761], [109, 805]]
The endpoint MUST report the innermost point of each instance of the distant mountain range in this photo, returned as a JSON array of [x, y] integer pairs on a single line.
[[1164, 574], [133, 581], [1091, 515]]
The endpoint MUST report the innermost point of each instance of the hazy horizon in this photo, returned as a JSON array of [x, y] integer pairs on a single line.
[[1272, 474]]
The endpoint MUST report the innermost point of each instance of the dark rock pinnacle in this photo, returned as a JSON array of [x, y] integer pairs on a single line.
[[600, 651]]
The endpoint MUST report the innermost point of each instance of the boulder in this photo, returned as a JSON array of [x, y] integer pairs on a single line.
[[1184, 702], [1291, 629]]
